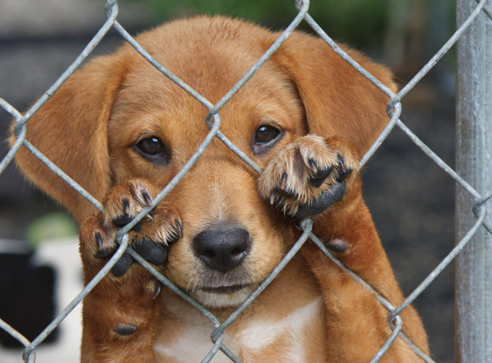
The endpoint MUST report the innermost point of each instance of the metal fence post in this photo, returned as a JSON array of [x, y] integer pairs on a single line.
[[474, 164]]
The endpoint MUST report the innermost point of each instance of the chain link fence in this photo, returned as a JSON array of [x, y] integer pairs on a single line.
[[213, 120]]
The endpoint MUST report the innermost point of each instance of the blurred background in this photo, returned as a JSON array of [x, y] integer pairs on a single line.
[[411, 199]]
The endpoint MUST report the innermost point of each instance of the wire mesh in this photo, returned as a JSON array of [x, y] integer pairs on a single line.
[[213, 122]]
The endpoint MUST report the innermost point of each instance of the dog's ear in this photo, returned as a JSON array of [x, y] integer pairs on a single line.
[[338, 100], [71, 130]]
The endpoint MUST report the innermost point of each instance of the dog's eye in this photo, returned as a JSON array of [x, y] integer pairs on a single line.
[[153, 149], [151, 146], [265, 138], [266, 134]]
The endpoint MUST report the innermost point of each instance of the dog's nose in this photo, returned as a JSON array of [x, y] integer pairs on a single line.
[[222, 248]]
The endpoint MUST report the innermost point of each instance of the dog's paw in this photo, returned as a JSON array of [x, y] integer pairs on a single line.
[[150, 237], [308, 175]]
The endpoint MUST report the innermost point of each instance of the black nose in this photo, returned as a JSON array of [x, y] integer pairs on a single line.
[[222, 248]]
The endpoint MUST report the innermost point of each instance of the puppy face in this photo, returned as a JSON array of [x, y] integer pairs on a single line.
[[120, 118], [154, 129]]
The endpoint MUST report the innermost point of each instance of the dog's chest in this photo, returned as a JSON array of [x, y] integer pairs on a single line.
[[258, 339]]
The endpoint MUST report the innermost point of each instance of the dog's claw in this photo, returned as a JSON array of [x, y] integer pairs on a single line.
[[343, 172], [146, 197], [283, 182], [126, 206], [98, 240], [312, 163], [102, 252], [157, 290], [341, 163], [179, 227]]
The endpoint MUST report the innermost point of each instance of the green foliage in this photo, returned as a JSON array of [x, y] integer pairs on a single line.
[[358, 22], [51, 226]]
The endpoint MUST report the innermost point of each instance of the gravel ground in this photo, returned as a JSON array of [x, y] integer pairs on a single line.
[[411, 199]]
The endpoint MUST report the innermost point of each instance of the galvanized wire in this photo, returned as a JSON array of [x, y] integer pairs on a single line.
[[62, 175], [78, 299], [213, 121]]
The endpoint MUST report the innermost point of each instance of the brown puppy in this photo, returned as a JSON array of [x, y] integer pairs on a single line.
[[122, 130]]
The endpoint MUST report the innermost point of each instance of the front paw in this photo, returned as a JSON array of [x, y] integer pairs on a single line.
[[309, 175], [150, 237]]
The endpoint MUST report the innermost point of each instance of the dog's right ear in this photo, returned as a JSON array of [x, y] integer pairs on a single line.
[[337, 99], [71, 131]]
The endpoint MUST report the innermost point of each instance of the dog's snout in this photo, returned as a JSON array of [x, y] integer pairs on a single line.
[[222, 249]]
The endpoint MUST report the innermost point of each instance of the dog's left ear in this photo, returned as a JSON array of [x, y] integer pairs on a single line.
[[71, 131], [338, 100]]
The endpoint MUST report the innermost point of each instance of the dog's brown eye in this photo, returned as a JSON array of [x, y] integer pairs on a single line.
[[266, 134], [151, 146], [153, 149], [265, 138]]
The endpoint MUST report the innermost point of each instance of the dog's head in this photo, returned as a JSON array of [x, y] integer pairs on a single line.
[[119, 118]]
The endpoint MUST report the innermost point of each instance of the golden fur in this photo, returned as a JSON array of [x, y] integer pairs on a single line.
[[327, 116]]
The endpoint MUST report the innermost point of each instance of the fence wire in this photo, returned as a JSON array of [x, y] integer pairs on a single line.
[[213, 122]]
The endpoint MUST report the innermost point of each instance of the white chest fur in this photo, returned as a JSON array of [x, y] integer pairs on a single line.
[[254, 339]]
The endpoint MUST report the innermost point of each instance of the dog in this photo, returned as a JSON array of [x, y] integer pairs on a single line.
[[122, 130]]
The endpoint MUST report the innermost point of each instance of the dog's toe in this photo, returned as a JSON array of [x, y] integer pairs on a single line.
[[319, 177], [98, 238]]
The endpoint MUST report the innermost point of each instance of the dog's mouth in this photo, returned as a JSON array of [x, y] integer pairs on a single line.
[[225, 295], [224, 289]]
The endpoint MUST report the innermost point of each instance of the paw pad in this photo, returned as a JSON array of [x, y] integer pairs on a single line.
[[125, 329], [337, 245]]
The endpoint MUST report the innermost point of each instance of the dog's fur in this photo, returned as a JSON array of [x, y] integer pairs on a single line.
[[306, 117]]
